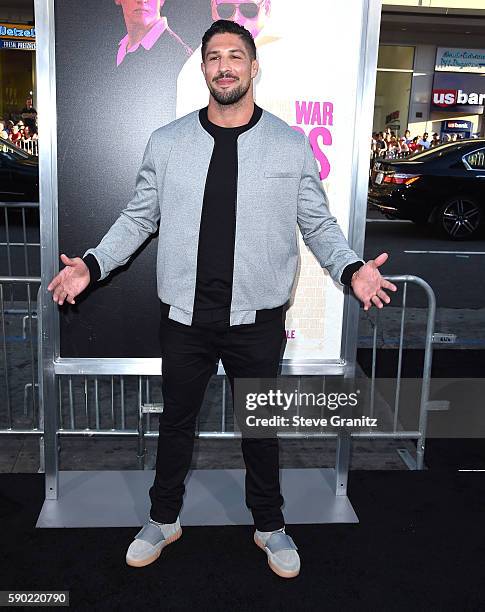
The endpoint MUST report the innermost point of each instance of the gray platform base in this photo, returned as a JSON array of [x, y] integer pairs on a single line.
[[212, 497]]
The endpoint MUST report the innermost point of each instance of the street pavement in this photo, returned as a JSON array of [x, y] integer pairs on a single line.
[[454, 270]]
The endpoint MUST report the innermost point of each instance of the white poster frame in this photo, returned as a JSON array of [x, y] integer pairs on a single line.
[[51, 364]]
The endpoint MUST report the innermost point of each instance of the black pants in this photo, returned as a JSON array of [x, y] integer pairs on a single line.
[[189, 358]]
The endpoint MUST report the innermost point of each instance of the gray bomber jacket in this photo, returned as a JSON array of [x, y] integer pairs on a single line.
[[278, 188]]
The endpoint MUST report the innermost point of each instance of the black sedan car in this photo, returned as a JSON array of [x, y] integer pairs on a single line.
[[443, 186], [19, 174]]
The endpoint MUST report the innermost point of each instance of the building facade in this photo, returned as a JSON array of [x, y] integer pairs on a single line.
[[17, 57], [431, 61]]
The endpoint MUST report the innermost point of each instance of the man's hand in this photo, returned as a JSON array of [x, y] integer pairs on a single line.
[[368, 284], [70, 281]]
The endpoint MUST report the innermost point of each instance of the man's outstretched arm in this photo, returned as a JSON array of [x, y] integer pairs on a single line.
[[134, 225], [323, 236]]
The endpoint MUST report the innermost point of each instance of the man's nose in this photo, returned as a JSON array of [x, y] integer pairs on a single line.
[[224, 64]]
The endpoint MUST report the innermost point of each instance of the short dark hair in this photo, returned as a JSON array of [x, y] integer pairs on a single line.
[[224, 26]]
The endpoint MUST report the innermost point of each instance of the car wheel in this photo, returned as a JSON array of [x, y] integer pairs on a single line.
[[460, 218]]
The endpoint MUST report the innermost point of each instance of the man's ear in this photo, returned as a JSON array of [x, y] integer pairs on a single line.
[[254, 68], [202, 67]]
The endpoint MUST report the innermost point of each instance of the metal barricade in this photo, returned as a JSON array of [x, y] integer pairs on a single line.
[[19, 239], [19, 364], [29, 146], [424, 402], [125, 405]]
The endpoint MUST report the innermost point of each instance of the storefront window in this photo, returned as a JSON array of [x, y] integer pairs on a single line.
[[393, 57], [393, 87], [16, 77]]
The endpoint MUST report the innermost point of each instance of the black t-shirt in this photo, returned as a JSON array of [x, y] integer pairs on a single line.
[[215, 255], [28, 117]]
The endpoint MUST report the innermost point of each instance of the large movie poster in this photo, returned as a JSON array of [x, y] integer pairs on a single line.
[[112, 95]]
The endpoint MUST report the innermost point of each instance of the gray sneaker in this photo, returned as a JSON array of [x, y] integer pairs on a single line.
[[281, 551], [150, 541]]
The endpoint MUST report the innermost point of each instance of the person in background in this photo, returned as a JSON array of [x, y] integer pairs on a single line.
[[407, 137], [381, 145], [435, 140], [403, 145], [423, 142], [413, 145], [3, 131], [27, 134], [393, 147], [15, 135], [373, 148], [29, 115]]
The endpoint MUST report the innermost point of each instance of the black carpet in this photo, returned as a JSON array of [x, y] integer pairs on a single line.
[[420, 545], [447, 363]]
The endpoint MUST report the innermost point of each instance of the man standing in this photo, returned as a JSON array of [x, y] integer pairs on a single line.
[[423, 142], [435, 141], [29, 115], [228, 185]]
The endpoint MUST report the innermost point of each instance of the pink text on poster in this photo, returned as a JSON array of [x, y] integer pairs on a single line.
[[317, 117]]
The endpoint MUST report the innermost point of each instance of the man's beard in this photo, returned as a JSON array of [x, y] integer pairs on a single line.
[[230, 97]]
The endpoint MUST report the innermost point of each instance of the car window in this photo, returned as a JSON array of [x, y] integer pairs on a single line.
[[436, 152], [476, 159]]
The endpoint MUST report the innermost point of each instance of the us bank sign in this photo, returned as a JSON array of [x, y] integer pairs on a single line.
[[463, 92], [452, 97]]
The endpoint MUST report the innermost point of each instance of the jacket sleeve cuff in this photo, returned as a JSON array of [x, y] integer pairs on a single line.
[[93, 267], [349, 270]]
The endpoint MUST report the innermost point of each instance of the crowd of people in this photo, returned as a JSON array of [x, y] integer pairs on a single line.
[[389, 144], [16, 132], [23, 131]]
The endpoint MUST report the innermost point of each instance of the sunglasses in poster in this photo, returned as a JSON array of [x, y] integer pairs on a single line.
[[227, 10]]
